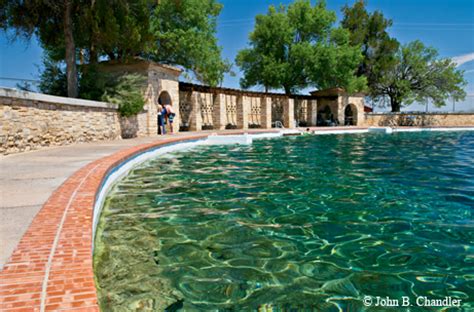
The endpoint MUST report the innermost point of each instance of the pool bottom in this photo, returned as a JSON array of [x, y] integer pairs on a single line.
[[250, 227]]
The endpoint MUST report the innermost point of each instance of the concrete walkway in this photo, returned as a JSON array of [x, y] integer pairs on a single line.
[[28, 179]]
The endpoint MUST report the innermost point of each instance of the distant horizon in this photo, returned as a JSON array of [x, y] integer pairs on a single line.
[[449, 27]]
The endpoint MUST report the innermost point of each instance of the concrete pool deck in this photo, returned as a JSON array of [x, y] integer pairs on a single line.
[[46, 209]]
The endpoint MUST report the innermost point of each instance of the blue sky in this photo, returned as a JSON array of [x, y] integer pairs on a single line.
[[445, 25]]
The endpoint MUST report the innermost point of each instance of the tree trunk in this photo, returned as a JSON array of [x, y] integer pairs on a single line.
[[71, 69], [92, 54], [92, 49], [395, 104]]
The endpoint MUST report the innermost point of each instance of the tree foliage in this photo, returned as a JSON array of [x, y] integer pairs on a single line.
[[53, 78], [118, 30], [85, 31], [419, 75], [297, 46], [369, 32], [405, 74], [185, 34], [127, 93], [52, 21]]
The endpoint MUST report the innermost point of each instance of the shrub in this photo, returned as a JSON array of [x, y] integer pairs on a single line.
[[127, 92], [230, 126], [207, 127]]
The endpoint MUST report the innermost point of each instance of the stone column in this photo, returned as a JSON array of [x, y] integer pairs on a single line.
[[289, 113], [266, 111], [360, 111], [243, 107], [341, 104], [195, 120], [218, 114], [312, 112], [148, 124]]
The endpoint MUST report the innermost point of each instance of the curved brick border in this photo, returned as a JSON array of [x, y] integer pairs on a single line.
[[51, 268]]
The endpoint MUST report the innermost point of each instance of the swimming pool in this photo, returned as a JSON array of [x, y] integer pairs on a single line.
[[316, 222]]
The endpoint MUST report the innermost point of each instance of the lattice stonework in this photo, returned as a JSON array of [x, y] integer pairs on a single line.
[[255, 111], [185, 108], [207, 108], [301, 110], [231, 109], [277, 109]]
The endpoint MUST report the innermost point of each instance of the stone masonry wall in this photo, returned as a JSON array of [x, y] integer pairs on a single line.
[[419, 119], [30, 121]]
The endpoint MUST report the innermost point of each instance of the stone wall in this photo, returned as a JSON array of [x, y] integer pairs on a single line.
[[205, 108], [419, 119], [30, 121]]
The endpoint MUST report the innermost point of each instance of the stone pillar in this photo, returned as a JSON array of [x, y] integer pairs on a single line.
[[243, 106], [360, 111], [176, 120], [266, 111], [149, 125], [312, 112], [341, 104], [218, 114], [289, 113], [195, 120]]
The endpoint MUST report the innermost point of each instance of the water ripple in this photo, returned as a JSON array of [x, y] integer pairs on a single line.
[[308, 222]]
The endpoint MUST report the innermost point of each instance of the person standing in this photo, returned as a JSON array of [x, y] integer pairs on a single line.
[[170, 115], [161, 119]]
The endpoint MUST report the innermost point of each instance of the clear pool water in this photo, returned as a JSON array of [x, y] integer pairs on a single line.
[[302, 223]]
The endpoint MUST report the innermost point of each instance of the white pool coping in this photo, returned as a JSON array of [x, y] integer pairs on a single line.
[[125, 167], [389, 130]]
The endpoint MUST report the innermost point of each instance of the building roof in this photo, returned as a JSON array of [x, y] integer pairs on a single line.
[[185, 86], [139, 62], [328, 92], [332, 92]]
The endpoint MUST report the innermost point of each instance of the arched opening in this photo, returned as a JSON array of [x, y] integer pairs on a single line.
[[164, 98], [165, 114], [350, 115], [326, 117]]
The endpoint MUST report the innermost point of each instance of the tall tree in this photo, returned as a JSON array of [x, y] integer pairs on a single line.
[[185, 34], [52, 21], [116, 29], [296, 46], [369, 32], [419, 75]]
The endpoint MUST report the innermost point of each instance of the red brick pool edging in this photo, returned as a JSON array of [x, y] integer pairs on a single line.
[[51, 268]]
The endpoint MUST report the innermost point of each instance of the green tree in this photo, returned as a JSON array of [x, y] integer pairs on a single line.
[[333, 64], [297, 46], [369, 32], [185, 34], [127, 92], [419, 75], [114, 28], [53, 79], [167, 31], [52, 21]]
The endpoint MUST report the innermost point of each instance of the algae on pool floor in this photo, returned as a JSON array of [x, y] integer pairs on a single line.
[[314, 221]]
